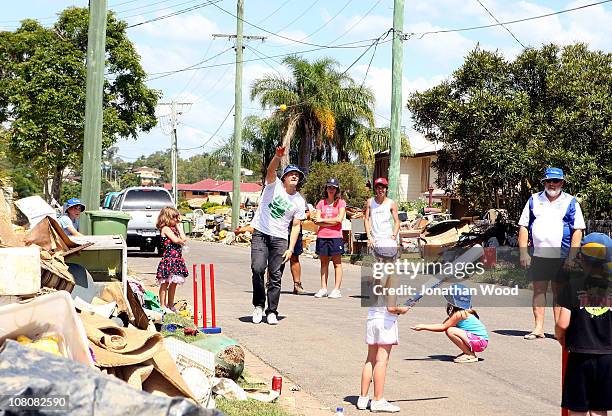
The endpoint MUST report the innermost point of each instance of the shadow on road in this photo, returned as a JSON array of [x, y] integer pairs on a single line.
[[249, 319], [517, 333], [353, 399], [441, 357]]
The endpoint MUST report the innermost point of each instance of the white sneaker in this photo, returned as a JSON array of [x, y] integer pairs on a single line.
[[335, 294], [383, 406], [272, 320], [257, 314], [321, 293], [362, 402]]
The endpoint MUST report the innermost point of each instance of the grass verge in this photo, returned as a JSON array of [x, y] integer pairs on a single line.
[[250, 408]]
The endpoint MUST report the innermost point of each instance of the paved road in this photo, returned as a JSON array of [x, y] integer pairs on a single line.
[[319, 343]]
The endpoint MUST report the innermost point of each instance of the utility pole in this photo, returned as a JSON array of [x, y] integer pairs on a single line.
[[92, 146], [237, 144], [396, 99], [174, 113]]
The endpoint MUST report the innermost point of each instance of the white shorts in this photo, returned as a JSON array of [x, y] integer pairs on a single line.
[[382, 332]]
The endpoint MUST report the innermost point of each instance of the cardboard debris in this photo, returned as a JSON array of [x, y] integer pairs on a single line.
[[35, 209]]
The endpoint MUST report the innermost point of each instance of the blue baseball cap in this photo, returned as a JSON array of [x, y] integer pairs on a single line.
[[293, 168], [459, 296], [333, 182], [553, 173], [72, 202], [597, 248]]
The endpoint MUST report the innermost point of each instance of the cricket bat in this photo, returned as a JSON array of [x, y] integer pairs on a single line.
[[470, 256]]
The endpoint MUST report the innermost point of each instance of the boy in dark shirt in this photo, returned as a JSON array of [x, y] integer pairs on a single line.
[[584, 328]]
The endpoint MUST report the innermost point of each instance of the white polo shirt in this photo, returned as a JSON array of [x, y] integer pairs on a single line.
[[551, 224]]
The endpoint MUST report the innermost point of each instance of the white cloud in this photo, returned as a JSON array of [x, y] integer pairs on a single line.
[[440, 48], [371, 26], [379, 80], [157, 59], [188, 27]]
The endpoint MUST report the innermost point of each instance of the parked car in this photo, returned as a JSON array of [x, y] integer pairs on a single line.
[[109, 199], [143, 203]]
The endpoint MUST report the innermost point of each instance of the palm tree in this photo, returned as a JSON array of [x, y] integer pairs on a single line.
[[316, 96], [361, 141], [259, 140]]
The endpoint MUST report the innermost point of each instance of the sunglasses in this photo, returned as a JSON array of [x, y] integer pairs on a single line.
[[552, 180]]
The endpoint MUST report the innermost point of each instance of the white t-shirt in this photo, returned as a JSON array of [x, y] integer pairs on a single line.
[[277, 209], [552, 224], [66, 222]]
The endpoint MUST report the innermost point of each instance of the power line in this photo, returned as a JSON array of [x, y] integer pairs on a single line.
[[196, 72], [407, 36], [187, 10], [213, 87], [357, 22], [299, 17], [329, 21], [281, 36], [214, 134], [366, 51], [147, 6], [502, 25], [193, 67], [273, 13]]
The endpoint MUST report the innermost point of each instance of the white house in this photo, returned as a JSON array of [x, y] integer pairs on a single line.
[[416, 171]]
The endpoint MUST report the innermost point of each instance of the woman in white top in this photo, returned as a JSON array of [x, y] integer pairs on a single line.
[[382, 232]]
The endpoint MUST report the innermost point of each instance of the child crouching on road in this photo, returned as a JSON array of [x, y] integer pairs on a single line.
[[463, 326], [381, 335]]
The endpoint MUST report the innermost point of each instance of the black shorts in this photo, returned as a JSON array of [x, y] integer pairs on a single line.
[[545, 269], [588, 382], [329, 246], [299, 245]]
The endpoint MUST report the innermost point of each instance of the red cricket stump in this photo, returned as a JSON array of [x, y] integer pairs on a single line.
[[564, 412], [195, 296], [213, 329]]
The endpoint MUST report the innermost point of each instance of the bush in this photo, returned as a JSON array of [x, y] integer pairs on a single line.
[[418, 206], [207, 205], [352, 183]]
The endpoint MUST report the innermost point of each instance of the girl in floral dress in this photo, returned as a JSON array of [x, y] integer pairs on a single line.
[[171, 270]]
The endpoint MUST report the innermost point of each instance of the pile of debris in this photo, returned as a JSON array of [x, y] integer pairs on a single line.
[[108, 346]]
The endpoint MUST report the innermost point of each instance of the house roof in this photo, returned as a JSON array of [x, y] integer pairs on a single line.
[[146, 169], [419, 146], [212, 185]]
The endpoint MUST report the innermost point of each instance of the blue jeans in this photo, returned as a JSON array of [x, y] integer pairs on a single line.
[[267, 252]]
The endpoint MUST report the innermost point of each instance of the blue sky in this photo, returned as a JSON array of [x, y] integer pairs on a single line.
[[184, 40]]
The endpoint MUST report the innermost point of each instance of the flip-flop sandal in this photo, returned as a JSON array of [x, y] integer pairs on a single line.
[[466, 359], [532, 336]]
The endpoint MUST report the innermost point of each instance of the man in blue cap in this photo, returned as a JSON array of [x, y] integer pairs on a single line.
[[280, 205], [552, 224], [70, 220]]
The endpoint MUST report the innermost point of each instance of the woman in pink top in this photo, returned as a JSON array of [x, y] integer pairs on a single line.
[[330, 244]]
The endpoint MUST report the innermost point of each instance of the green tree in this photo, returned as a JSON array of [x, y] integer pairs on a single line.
[[501, 123], [352, 183], [42, 91], [316, 95], [259, 141]]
